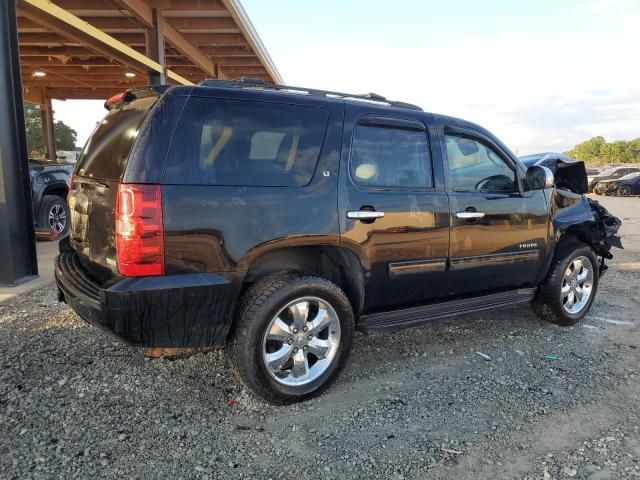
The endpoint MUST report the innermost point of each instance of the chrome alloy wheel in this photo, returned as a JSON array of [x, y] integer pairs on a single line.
[[301, 341], [577, 285], [57, 218]]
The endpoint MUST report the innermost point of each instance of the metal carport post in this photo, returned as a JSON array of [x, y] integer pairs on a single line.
[[17, 237]]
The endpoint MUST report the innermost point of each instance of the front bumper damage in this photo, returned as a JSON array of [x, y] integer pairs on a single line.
[[575, 215]]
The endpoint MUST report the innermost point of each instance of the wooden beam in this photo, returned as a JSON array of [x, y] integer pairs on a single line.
[[145, 15], [186, 5], [66, 93], [154, 46], [124, 23], [91, 84], [245, 71], [62, 50], [48, 131], [106, 5], [64, 62], [188, 49], [69, 26], [140, 10], [68, 62], [33, 95]]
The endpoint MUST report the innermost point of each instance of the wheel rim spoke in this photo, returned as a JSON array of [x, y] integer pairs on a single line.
[[578, 293], [279, 331], [566, 288], [300, 365], [319, 347], [321, 321], [583, 275], [277, 359], [571, 299], [577, 265], [300, 313]]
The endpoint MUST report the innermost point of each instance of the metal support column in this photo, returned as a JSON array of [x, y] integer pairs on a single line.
[[48, 131], [17, 239], [154, 43]]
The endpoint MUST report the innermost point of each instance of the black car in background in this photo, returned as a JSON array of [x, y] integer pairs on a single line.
[[49, 188], [625, 186], [612, 173]]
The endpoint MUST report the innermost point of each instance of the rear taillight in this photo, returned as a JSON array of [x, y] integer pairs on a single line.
[[139, 230]]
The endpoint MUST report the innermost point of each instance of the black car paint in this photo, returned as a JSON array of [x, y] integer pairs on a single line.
[[618, 172], [48, 178], [218, 239], [613, 185]]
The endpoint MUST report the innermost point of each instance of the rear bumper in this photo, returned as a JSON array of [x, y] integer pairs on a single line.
[[191, 310]]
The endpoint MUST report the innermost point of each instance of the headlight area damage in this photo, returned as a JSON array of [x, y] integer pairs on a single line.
[[577, 216]]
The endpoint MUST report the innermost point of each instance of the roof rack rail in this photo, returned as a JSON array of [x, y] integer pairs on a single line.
[[250, 82]]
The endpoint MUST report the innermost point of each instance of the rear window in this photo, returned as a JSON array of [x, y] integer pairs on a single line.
[[238, 142], [105, 154]]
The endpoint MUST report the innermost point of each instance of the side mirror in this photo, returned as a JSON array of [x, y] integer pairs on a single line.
[[539, 178]]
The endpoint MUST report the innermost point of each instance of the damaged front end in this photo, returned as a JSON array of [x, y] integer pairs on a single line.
[[576, 216]]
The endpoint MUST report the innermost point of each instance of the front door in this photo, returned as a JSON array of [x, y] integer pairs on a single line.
[[394, 212], [498, 231]]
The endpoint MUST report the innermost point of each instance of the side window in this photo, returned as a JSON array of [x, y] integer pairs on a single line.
[[383, 156], [248, 143], [473, 166]]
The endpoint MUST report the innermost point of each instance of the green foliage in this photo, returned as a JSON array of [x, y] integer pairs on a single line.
[[65, 136], [598, 150]]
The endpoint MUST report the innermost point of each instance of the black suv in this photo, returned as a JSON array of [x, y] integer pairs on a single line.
[[277, 221]]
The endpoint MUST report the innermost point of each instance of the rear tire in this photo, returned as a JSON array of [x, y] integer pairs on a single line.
[[54, 215], [571, 286], [293, 337]]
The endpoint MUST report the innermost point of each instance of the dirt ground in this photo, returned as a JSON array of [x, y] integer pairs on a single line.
[[549, 402]]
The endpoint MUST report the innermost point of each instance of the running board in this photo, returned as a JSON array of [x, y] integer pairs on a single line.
[[409, 317]]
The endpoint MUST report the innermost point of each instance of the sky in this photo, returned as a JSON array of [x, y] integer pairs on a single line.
[[542, 75]]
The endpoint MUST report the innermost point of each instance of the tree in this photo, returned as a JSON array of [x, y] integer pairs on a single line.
[[598, 150], [65, 135]]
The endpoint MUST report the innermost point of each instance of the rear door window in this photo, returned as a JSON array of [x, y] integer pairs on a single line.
[[105, 154], [249, 143], [387, 156]]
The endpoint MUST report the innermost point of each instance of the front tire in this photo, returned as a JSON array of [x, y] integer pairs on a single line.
[[293, 337], [570, 288]]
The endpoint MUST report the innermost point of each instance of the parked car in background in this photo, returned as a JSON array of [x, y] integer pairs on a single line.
[[624, 186], [49, 188], [611, 173], [544, 159], [276, 221]]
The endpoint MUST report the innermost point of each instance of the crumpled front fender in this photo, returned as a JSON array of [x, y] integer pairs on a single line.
[[585, 219]]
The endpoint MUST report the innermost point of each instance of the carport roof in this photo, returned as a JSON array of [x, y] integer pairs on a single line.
[[91, 48]]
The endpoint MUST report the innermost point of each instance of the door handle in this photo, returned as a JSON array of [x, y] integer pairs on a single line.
[[470, 215], [364, 214]]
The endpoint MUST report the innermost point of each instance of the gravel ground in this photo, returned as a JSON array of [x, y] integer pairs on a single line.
[[421, 403]]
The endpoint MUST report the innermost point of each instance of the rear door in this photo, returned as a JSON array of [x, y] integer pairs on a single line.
[[498, 232], [100, 167], [392, 205]]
